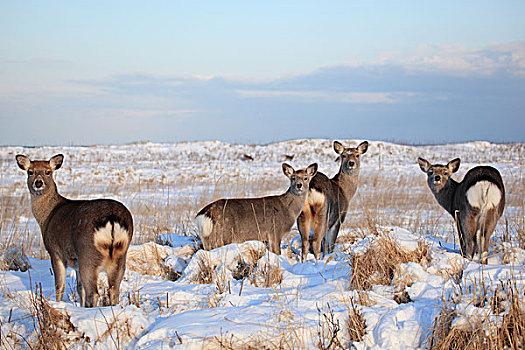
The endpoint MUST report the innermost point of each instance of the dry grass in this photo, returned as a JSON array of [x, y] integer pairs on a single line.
[[260, 272], [294, 334], [246, 266], [503, 327], [378, 264], [267, 275], [356, 323], [206, 271], [53, 329], [386, 199], [149, 258], [328, 330]]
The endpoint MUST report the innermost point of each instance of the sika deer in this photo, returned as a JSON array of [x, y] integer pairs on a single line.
[[88, 235], [327, 201], [266, 219], [476, 203]]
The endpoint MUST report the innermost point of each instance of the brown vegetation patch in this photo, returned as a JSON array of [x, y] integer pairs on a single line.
[[503, 328], [378, 264], [356, 322], [267, 275], [53, 329]]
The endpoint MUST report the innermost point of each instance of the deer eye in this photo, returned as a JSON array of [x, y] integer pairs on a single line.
[[430, 172], [445, 173], [30, 172], [357, 155], [305, 178], [48, 172]]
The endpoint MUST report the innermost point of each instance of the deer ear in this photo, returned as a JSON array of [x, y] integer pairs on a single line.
[[312, 170], [338, 147], [453, 165], [23, 162], [424, 165], [363, 147], [288, 170], [56, 161]]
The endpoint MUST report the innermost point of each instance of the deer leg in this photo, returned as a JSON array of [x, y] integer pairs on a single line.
[[89, 277], [303, 224], [59, 270], [469, 232], [80, 288], [115, 278], [331, 236], [488, 227], [320, 223]]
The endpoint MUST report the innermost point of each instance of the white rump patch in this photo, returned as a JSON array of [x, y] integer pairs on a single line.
[[103, 235], [204, 224], [315, 197], [120, 234], [484, 195]]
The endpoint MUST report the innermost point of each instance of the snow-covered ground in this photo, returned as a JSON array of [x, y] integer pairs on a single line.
[[254, 296]]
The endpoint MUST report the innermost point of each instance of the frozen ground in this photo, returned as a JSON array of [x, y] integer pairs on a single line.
[[236, 308]]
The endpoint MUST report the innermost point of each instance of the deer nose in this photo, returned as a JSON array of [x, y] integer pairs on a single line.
[[299, 186], [351, 163], [39, 183], [437, 178]]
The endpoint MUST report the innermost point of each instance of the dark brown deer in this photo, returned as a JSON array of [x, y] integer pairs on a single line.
[[266, 219], [327, 201], [476, 203], [88, 235], [288, 157]]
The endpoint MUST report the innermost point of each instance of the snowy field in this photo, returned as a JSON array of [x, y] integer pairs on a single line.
[[242, 296]]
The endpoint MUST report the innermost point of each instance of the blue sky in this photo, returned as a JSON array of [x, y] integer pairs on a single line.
[[123, 71]]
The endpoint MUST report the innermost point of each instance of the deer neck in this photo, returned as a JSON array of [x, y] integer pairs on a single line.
[[445, 197], [43, 206], [347, 182], [293, 202]]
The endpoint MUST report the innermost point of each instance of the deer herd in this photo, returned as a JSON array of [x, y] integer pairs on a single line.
[[94, 235]]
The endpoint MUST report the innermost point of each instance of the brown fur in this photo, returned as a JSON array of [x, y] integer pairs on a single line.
[[328, 199], [68, 229], [476, 223], [266, 219]]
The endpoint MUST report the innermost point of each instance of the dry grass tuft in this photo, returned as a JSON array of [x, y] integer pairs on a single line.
[[502, 328], [14, 259], [206, 271], [328, 330], [230, 342], [267, 275], [356, 323], [149, 258], [247, 263], [53, 329], [378, 264]]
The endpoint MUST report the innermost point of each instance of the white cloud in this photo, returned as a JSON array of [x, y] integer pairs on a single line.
[[460, 60], [329, 97], [149, 113]]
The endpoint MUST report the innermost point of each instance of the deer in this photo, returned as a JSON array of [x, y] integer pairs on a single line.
[[476, 203], [327, 201], [267, 219], [87, 235]]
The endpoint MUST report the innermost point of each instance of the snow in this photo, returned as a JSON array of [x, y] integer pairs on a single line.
[[164, 303]]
